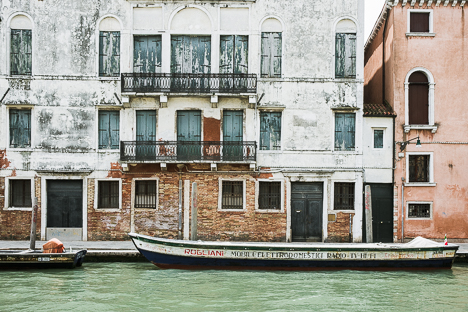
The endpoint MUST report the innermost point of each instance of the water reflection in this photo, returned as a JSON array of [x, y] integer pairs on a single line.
[[143, 287]]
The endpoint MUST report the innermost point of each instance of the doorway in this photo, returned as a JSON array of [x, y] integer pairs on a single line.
[[306, 211]]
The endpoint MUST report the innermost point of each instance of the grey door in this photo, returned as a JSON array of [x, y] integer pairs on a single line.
[[65, 204], [188, 135], [233, 135], [145, 134], [382, 213], [306, 211]]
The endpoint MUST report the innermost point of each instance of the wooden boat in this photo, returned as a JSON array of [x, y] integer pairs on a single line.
[[420, 253], [17, 259]]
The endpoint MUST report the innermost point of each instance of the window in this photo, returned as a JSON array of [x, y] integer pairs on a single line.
[[269, 195], [232, 195], [270, 130], [344, 196], [20, 193], [147, 55], [234, 54], [419, 210], [419, 168], [345, 55], [344, 131], [418, 105], [20, 128], [108, 194], [145, 194], [109, 128], [378, 138], [271, 54], [109, 53], [191, 54], [21, 52], [419, 22]]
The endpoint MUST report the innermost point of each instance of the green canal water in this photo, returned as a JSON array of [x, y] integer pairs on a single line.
[[143, 287]]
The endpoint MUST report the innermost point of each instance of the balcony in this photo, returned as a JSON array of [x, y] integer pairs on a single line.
[[189, 83], [182, 151]]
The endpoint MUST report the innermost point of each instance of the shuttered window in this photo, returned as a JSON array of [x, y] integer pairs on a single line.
[[271, 57], [191, 54], [345, 55], [232, 195], [109, 129], [20, 127], [21, 52], [147, 54], [20, 193], [419, 22], [145, 194], [270, 130], [108, 194], [419, 211], [269, 195], [109, 53], [234, 54], [419, 168], [344, 131], [344, 196], [418, 97]]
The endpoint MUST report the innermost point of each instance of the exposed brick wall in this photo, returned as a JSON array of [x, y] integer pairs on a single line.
[[338, 231]]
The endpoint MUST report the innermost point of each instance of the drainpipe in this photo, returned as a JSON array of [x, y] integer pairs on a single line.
[[402, 210], [383, 55]]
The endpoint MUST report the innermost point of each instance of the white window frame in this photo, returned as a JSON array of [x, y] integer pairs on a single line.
[[282, 31], [383, 138], [431, 169], [419, 34], [96, 194], [257, 194], [7, 193], [418, 202], [134, 194], [8, 45], [220, 194], [431, 126], [33, 126], [332, 191]]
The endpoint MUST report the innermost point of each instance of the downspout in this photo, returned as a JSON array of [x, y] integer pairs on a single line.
[[383, 54], [402, 210]]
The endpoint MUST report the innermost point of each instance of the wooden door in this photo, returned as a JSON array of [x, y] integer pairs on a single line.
[[189, 135], [233, 135], [382, 213], [306, 211], [64, 203]]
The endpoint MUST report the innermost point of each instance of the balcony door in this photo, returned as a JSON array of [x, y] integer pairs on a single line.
[[189, 135], [145, 134], [233, 128]]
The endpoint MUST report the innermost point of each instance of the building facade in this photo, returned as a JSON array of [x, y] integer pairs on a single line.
[[403, 67], [112, 110]]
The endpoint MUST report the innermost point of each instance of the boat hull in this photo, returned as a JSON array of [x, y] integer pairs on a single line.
[[37, 260], [177, 254]]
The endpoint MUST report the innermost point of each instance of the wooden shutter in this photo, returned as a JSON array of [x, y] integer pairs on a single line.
[[345, 55], [419, 22], [339, 131], [226, 53], [350, 130], [233, 126], [241, 54], [270, 131], [103, 129], [344, 131], [20, 128], [177, 53], [114, 128], [147, 54], [21, 52], [271, 54], [109, 53], [146, 125]]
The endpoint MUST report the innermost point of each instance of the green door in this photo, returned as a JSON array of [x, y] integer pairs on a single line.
[[232, 135], [189, 135], [146, 134], [306, 211]]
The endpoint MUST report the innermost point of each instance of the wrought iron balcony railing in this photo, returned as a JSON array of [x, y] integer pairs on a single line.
[[189, 83], [167, 151]]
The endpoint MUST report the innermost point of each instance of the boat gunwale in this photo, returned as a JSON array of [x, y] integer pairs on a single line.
[[285, 246]]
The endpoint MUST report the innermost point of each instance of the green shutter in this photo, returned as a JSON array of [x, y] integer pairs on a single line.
[[339, 131], [21, 52], [146, 125], [344, 131], [271, 54], [241, 55], [345, 55], [20, 128], [109, 129], [226, 54], [103, 129], [270, 131], [109, 53], [147, 54]]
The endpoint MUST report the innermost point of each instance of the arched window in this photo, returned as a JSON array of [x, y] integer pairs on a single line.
[[345, 49], [418, 105], [272, 48], [20, 45], [109, 47]]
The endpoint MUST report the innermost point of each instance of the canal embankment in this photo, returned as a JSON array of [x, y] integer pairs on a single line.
[[125, 251]]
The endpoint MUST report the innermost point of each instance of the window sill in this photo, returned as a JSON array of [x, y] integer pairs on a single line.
[[269, 211], [107, 209], [418, 219], [109, 78], [420, 34], [22, 149], [433, 128], [344, 211], [145, 209], [420, 184], [18, 209], [270, 151], [230, 210]]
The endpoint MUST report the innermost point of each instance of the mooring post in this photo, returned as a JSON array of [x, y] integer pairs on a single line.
[[194, 211], [368, 210], [32, 235]]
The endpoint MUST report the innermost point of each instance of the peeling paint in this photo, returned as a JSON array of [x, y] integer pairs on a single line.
[[4, 163]]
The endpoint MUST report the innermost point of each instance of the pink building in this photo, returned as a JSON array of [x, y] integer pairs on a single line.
[[416, 60]]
